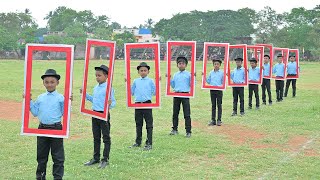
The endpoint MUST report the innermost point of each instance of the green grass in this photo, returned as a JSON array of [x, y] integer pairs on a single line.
[[209, 154]]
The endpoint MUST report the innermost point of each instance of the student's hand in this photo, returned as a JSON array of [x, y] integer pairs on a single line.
[[24, 96], [109, 102], [159, 78], [125, 79], [202, 73], [167, 75], [71, 97], [80, 90], [195, 74], [262, 67]]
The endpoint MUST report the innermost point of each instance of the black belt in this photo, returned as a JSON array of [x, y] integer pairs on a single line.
[[51, 125], [291, 75], [279, 76], [182, 92], [99, 111], [149, 101]]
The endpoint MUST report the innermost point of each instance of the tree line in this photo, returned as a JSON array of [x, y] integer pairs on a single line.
[[299, 28]]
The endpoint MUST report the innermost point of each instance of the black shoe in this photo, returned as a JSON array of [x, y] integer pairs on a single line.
[[91, 162], [242, 113], [234, 114], [103, 164], [250, 107], [257, 108], [270, 103], [278, 100], [174, 132], [285, 96], [264, 103], [135, 145], [147, 147], [219, 123], [188, 135], [212, 123]]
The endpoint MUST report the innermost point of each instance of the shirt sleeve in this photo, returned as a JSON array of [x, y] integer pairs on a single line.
[[133, 87], [208, 79], [89, 97], [274, 69], [34, 108], [153, 88], [113, 99], [232, 75], [172, 84], [62, 104]]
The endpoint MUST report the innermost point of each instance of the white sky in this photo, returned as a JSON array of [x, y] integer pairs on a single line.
[[134, 12]]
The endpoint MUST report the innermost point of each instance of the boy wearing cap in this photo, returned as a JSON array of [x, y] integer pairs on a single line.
[[254, 76], [181, 84], [278, 70], [265, 81], [100, 126], [238, 77], [143, 89], [291, 72], [216, 78], [49, 108]]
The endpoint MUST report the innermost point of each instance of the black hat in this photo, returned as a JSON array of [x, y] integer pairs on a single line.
[[103, 68], [143, 64], [238, 59], [182, 58], [216, 58], [279, 55], [267, 56], [52, 73], [253, 60], [292, 55]]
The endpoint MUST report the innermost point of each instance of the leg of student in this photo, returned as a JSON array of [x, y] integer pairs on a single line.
[[219, 104], [287, 87], [213, 97], [268, 89], [43, 148], [147, 113], [251, 88], [294, 87], [256, 94], [96, 131], [241, 96], [263, 87], [138, 116], [176, 110], [235, 99], [57, 153], [278, 89], [105, 129], [281, 89], [186, 113]]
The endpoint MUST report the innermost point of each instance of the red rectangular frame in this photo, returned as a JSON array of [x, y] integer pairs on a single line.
[[30, 48], [260, 61], [270, 46], [156, 47], [193, 44], [285, 53], [101, 43], [206, 45], [296, 51], [245, 66]]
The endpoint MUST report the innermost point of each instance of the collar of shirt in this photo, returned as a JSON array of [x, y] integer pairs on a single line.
[[144, 78], [52, 93], [102, 84]]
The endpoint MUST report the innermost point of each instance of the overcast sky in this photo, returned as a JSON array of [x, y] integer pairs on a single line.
[[134, 12]]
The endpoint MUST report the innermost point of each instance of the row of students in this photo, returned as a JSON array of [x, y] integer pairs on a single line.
[[49, 107]]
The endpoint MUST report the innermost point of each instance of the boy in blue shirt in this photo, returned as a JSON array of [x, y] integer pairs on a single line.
[[265, 81], [238, 77], [143, 89], [100, 126], [49, 108], [181, 84], [291, 72], [254, 75], [278, 70], [216, 78]]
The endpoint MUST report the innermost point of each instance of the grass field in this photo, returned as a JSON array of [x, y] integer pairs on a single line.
[[281, 141]]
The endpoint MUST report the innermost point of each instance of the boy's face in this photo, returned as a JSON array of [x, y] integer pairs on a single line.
[[238, 63], [253, 64], [50, 83], [292, 59], [101, 77], [143, 71], [279, 59], [216, 65], [181, 65], [266, 59]]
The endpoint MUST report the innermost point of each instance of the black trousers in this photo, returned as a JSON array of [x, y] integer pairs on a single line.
[[238, 93], [266, 86], [44, 145], [101, 127], [216, 102], [139, 115], [279, 89], [186, 113], [294, 85], [254, 88]]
